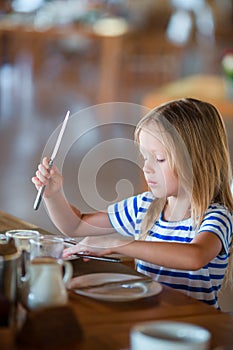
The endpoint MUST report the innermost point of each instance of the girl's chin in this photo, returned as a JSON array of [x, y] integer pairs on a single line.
[[157, 194]]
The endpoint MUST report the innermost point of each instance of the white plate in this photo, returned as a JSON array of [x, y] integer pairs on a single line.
[[114, 293]]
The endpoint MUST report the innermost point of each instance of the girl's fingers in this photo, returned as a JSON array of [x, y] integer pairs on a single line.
[[52, 172], [43, 170], [42, 174], [67, 252], [40, 177], [37, 182], [70, 251], [45, 162]]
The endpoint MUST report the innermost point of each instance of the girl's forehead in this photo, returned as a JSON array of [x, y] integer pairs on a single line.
[[151, 140], [151, 143]]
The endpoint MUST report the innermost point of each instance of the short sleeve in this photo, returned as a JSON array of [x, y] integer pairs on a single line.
[[219, 221], [125, 216]]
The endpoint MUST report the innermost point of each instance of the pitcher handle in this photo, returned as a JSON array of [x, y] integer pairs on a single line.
[[68, 271]]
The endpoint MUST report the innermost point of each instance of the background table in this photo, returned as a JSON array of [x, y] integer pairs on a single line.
[[26, 36], [210, 88]]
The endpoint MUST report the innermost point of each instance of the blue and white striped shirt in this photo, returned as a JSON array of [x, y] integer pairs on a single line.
[[204, 284]]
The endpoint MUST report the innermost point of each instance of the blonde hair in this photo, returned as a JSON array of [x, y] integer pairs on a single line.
[[194, 136]]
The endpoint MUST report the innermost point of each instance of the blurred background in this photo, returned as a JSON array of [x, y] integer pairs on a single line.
[[73, 54]]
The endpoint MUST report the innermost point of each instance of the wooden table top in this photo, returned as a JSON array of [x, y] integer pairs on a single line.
[[106, 325]]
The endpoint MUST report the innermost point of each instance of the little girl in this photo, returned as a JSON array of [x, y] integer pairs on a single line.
[[180, 231]]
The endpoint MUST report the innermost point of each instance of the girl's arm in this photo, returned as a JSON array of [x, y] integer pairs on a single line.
[[182, 256], [70, 221], [67, 218]]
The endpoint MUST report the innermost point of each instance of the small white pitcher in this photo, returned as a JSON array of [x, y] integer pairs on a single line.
[[43, 284]]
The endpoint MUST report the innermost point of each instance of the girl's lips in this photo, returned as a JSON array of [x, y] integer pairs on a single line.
[[151, 183]]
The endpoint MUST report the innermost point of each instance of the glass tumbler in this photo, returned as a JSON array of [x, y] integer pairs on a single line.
[[22, 238], [46, 246], [22, 242]]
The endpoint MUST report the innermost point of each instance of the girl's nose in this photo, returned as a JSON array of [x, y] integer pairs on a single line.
[[147, 167]]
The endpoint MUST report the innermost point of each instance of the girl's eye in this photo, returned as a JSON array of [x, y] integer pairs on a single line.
[[160, 160]]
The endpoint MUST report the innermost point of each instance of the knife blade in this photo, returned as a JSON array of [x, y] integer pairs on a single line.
[[129, 282], [55, 150], [96, 257]]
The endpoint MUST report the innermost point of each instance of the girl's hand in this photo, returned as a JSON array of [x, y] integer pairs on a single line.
[[98, 245], [52, 178]]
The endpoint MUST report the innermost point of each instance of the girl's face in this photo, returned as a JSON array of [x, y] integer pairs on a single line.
[[161, 179]]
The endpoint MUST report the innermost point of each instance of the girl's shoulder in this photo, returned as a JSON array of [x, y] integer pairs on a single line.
[[220, 214], [144, 199], [146, 196], [219, 209], [138, 203]]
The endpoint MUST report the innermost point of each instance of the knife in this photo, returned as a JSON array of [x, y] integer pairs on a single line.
[[128, 282], [96, 257], [90, 256], [55, 150]]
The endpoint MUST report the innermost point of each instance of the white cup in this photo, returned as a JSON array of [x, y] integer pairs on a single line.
[[166, 335]]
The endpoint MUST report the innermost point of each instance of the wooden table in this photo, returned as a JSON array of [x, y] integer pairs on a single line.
[[106, 325], [211, 88]]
